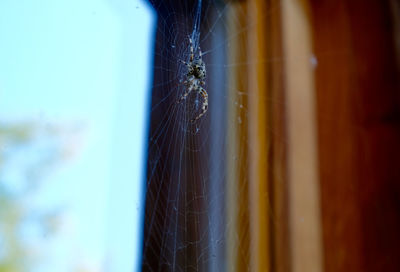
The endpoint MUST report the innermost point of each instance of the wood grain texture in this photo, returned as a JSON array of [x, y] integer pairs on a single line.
[[304, 205], [357, 84]]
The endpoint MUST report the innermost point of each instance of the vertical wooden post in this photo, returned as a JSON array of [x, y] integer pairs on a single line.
[[259, 195], [306, 244], [238, 255]]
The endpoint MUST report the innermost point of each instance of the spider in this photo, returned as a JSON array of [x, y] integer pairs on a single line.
[[196, 73]]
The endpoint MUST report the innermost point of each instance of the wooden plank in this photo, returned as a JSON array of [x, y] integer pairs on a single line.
[[358, 86], [306, 244], [238, 258], [280, 235], [260, 205]]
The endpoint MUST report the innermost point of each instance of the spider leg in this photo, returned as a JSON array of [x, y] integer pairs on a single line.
[[191, 50], [183, 97], [204, 106], [184, 62]]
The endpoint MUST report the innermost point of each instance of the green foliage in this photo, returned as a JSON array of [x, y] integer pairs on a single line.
[[16, 255]]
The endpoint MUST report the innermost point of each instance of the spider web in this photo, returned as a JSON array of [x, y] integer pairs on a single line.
[[186, 223]]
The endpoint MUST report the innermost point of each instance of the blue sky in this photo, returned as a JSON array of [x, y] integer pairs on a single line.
[[86, 63]]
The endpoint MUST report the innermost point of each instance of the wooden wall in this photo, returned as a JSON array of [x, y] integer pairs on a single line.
[[358, 111]]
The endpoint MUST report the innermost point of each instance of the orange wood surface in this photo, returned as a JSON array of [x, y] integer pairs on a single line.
[[358, 91]]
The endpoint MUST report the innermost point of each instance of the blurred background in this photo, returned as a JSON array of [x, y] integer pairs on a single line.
[[74, 103]]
